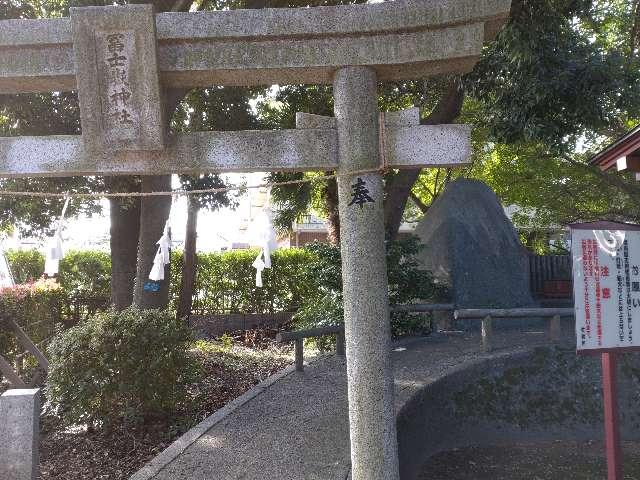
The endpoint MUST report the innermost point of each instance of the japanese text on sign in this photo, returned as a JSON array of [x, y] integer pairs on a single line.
[[117, 50], [606, 279]]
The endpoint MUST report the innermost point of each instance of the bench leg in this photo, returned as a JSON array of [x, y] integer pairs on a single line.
[[555, 329], [299, 344], [487, 331]]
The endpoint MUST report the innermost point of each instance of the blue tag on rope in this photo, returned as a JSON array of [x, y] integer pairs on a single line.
[[152, 286]]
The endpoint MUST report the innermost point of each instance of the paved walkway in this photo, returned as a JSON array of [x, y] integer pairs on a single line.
[[295, 427]]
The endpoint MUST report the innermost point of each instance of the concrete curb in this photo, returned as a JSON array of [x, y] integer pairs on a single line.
[[169, 454]]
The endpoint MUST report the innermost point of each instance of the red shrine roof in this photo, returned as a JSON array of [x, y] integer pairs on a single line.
[[626, 146]]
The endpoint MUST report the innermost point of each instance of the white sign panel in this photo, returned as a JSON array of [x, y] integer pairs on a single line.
[[606, 286]]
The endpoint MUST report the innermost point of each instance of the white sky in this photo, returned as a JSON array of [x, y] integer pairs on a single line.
[[215, 229]]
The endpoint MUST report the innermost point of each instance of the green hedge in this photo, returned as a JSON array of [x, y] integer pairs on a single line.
[[407, 283], [84, 277], [37, 307], [225, 282]]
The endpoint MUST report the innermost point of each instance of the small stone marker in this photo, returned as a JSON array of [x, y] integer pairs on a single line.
[[117, 78], [19, 434]]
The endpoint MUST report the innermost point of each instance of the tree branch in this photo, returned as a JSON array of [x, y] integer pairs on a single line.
[[633, 36], [419, 203]]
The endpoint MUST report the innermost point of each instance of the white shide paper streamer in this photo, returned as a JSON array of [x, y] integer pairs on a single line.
[[54, 251], [262, 234]]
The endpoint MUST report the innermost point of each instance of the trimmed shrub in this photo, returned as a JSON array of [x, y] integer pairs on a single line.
[[132, 365], [36, 307], [225, 282], [26, 265]]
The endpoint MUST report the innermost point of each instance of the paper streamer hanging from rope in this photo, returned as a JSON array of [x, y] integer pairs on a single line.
[[163, 255], [6, 277], [262, 234], [54, 251]]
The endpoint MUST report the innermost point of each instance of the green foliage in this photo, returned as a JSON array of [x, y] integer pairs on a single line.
[[84, 279], [26, 265], [131, 365], [213, 201], [407, 283], [36, 307], [323, 310], [225, 282], [555, 72], [86, 271], [555, 190]]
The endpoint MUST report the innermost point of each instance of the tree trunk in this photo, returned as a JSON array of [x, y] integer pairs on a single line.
[[399, 187], [190, 260], [154, 213], [333, 217], [125, 228], [124, 214]]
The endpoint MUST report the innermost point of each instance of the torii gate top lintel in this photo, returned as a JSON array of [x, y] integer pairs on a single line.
[[120, 58]]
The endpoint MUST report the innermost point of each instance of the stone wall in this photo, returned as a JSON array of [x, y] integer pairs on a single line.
[[539, 395]]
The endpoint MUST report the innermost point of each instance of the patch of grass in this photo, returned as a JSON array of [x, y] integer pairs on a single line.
[[235, 356]]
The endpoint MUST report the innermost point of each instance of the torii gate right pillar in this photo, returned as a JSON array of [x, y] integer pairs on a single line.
[[374, 450]]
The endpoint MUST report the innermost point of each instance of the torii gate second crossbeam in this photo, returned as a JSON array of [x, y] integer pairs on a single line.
[[119, 58]]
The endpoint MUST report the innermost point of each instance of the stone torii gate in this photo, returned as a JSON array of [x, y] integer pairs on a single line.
[[120, 58]]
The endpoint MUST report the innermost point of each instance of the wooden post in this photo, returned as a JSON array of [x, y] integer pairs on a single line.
[[340, 343], [611, 420], [31, 347], [7, 371], [555, 329], [487, 331], [299, 343]]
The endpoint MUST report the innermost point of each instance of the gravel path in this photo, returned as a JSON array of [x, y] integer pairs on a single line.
[[297, 428]]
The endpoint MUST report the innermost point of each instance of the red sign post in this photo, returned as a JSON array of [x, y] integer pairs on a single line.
[[611, 419], [606, 287]]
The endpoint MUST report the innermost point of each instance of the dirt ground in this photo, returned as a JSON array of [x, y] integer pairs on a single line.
[[227, 372], [540, 461]]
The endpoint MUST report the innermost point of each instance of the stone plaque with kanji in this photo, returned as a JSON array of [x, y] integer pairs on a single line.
[[117, 78]]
